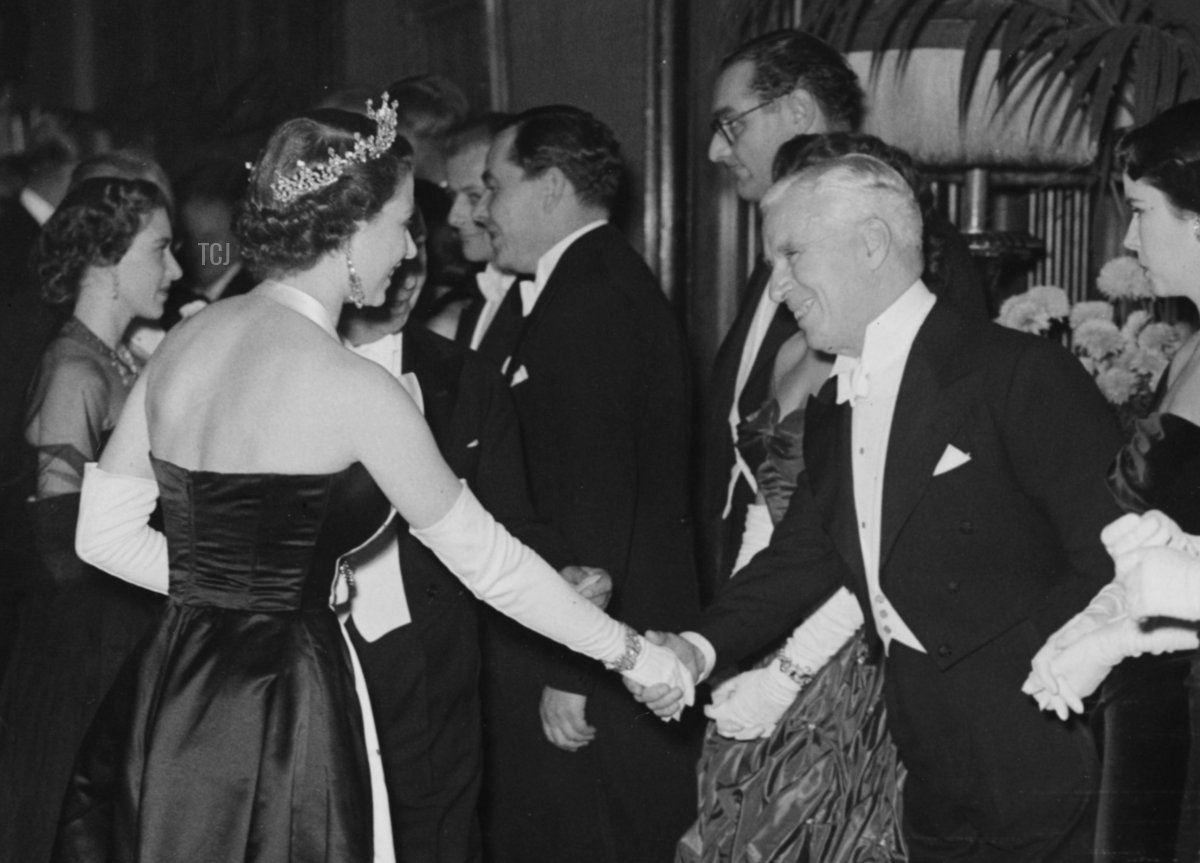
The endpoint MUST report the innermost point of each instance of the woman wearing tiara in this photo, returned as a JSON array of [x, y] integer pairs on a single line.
[[239, 731]]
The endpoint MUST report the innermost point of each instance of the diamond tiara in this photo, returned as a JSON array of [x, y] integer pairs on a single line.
[[311, 178]]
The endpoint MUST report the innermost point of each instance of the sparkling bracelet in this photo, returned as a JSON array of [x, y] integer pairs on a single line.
[[799, 675], [633, 649]]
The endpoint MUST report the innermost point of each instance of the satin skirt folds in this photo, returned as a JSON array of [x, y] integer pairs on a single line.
[[824, 786], [233, 736]]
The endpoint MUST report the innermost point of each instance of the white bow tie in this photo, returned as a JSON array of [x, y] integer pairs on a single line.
[[853, 381], [493, 284]]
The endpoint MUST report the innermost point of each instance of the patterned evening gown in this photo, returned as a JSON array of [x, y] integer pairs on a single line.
[[824, 786], [235, 732]]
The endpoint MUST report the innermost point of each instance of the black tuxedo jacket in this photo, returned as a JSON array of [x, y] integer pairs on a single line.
[[600, 384], [1010, 536], [423, 678]]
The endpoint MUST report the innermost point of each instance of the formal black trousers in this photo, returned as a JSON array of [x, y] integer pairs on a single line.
[[990, 777]]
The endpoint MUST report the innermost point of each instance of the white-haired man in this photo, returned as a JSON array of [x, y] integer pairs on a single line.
[[955, 483]]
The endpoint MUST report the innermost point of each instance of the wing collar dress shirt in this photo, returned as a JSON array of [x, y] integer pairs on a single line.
[[871, 384], [530, 291], [494, 285]]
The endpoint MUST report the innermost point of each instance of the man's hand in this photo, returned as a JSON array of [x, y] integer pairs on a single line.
[[663, 699], [563, 719], [590, 582]]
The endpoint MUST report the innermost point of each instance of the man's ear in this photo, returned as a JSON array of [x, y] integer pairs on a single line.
[[554, 187], [876, 237], [801, 111]]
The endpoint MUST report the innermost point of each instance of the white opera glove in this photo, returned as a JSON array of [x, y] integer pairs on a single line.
[[1106, 606], [1081, 668], [1150, 529], [653, 664], [751, 704], [511, 578], [1162, 582], [114, 533], [756, 535]]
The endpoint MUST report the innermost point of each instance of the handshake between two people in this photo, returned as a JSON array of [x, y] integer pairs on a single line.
[[1150, 607], [655, 663]]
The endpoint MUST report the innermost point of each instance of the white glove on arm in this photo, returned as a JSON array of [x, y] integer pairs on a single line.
[[751, 704], [1080, 669], [508, 576], [114, 533], [1161, 582]]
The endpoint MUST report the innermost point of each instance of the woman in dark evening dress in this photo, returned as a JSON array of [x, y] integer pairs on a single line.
[[235, 733], [107, 252], [1143, 710], [822, 783]]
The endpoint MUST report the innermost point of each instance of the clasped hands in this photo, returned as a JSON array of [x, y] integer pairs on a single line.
[[1157, 568], [660, 668]]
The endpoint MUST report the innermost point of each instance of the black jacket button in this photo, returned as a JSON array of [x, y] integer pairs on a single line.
[[944, 650]]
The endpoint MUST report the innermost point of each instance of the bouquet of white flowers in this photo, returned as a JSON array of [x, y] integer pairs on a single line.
[[1125, 355]]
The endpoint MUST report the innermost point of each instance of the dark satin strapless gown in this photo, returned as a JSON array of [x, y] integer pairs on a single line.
[[825, 785], [235, 732], [1150, 789]]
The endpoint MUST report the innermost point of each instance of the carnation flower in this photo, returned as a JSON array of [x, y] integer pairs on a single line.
[[1147, 362], [1123, 278], [1098, 339], [1117, 384], [1021, 313], [1051, 298], [1159, 337], [1137, 319], [1090, 310]]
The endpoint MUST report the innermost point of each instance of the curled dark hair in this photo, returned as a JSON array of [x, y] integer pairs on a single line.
[[93, 226], [575, 142], [1165, 153], [786, 60], [277, 237], [802, 151]]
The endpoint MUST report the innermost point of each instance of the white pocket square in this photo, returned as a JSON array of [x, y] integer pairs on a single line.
[[520, 377], [953, 457], [473, 443]]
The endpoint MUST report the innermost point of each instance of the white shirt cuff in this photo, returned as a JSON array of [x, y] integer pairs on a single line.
[[706, 650]]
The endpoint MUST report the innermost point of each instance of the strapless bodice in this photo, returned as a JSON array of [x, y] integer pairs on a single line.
[[262, 542]]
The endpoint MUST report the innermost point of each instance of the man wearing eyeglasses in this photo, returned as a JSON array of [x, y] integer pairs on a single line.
[[769, 90]]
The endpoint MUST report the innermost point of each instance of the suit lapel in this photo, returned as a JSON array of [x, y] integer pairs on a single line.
[[830, 472], [930, 407]]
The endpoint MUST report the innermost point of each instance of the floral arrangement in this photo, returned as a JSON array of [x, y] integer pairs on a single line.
[[1125, 355]]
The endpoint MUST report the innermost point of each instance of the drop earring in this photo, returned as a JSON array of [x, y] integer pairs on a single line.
[[116, 285], [357, 295]]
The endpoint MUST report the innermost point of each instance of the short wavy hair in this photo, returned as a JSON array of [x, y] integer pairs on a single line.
[[575, 142], [798, 153], [1165, 153], [94, 226], [786, 60], [277, 238]]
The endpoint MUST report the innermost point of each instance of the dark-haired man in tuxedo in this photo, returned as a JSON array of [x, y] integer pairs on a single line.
[[599, 381], [417, 636]]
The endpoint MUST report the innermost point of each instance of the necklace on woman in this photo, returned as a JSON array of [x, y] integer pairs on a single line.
[[119, 358]]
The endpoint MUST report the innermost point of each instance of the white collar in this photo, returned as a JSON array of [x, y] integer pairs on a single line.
[[300, 302], [38, 207], [886, 341], [494, 283], [530, 291]]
